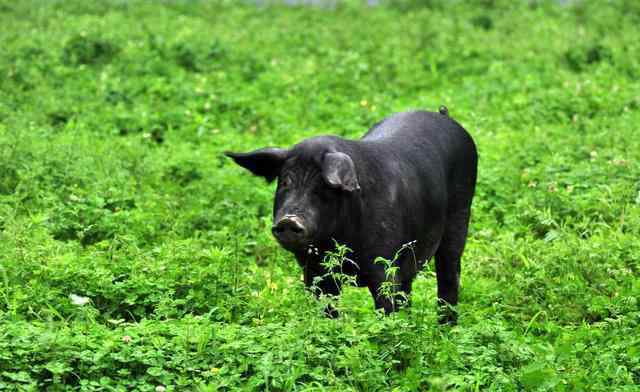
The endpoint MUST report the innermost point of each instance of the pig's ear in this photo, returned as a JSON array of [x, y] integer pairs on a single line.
[[339, 171], [265, 162]]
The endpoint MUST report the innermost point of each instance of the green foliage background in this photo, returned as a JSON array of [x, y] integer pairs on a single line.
[[113, 117]]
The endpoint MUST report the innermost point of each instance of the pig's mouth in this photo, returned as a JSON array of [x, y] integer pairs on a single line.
[[297, 245]]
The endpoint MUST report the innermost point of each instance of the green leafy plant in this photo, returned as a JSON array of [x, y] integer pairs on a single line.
[[135, 256], [390, 289]]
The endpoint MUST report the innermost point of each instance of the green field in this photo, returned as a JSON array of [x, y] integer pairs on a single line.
[[135, 256]]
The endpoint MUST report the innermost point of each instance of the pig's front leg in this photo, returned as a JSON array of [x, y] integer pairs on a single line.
[[320, 282]]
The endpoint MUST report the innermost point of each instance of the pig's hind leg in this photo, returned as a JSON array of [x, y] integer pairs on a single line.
[[448, 263]]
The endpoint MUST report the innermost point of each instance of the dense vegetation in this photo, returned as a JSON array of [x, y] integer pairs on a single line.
[[133, 255]]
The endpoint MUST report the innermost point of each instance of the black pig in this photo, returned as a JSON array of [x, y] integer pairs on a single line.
[[410, 179]]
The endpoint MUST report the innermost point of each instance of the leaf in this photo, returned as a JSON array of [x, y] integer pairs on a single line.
[[57, 367], [538, 375], [155, 371]]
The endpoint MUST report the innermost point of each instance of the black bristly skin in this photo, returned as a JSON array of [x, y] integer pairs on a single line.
[[410, 178]]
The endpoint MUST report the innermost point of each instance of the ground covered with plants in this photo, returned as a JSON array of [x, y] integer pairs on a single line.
[[134, 256]]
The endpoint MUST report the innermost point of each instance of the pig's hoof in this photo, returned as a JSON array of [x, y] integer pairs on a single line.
[[447, 315]]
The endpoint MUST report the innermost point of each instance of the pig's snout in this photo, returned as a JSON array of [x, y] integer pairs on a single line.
[[290, 231]]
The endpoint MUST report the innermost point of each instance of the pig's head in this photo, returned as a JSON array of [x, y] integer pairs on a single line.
[[315, 184]]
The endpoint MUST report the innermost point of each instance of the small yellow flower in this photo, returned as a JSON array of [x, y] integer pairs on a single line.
[[364, 103], [215, 371]]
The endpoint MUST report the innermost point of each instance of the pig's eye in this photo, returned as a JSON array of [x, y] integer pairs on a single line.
[[285, 182]]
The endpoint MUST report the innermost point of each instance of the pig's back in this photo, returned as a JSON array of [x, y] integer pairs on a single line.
[[421, 133], [432, 149]]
